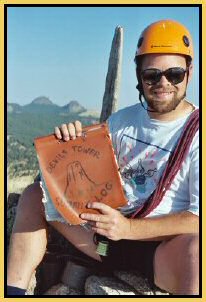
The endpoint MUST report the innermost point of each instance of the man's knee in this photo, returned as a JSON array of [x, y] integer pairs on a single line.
[[30, 201], [30, 214], [187, 244], [193, 244], [187, 272], [190, 246], [177, 260], [31, 197]]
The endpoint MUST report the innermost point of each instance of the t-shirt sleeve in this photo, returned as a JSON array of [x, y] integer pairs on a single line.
[[111, 125], [194, 178]]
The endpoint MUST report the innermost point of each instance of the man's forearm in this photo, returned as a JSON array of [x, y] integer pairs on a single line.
[[161, 228], [112, 224]]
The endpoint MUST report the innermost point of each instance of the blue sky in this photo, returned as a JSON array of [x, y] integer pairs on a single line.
[[63, 52]]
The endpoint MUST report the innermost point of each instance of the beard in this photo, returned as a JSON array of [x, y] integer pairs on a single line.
[[165, 106]]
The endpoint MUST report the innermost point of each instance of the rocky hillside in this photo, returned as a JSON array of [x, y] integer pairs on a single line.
[[43, 104]]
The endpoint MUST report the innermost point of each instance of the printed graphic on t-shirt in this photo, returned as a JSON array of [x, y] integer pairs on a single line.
[[138, 176], [141, 165]]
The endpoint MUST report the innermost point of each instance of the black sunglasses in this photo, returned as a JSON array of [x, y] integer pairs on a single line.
[[174, 75]]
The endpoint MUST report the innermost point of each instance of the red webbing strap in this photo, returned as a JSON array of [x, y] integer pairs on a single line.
[[173, 165]]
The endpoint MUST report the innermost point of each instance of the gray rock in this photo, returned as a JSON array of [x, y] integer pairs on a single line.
[[139, 283], [107, 286], [62, 290], [12, 200], [75, 275], [113, 78]]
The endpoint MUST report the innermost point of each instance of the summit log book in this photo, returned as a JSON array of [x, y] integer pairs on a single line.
[[81, 170]]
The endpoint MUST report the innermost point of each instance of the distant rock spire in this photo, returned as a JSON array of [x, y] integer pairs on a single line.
[[112, 86], [42, 100]]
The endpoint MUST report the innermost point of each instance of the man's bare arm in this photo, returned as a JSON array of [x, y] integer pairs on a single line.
[[164, 227], [112, 224]]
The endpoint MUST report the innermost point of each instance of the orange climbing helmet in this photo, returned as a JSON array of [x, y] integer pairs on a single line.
[[165, 36]]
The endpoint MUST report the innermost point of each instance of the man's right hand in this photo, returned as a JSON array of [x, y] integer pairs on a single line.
[[68, 131]]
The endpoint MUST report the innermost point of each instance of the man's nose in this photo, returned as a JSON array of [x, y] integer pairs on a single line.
[[164, 81]]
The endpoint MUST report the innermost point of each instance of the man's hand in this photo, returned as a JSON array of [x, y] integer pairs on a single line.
[[110, 222], [68, 131]]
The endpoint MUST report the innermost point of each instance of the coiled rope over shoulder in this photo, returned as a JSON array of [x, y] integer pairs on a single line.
[[173, 166]]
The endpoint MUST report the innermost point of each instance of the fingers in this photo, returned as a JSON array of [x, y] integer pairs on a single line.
[[57, 132], [95, 217], [105, 209], [99, 225], [103, 217], [70, 131], [78, 127]]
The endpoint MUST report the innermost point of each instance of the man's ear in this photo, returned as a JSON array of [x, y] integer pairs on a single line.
[[190, 72]]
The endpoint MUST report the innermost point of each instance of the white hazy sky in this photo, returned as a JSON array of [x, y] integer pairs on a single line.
[[63, 52]]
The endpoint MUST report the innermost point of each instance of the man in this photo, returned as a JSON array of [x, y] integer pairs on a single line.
[[164, 244]]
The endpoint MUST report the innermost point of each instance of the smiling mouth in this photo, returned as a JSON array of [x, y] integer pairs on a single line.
[[162, 94]]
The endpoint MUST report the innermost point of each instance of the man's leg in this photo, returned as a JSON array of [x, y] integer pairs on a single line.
[[176, 265], [29, 238]]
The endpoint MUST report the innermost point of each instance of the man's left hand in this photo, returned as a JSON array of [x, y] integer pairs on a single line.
[[109, 222]]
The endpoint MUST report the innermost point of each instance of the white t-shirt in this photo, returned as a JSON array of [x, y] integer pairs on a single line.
[[142, 146]]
